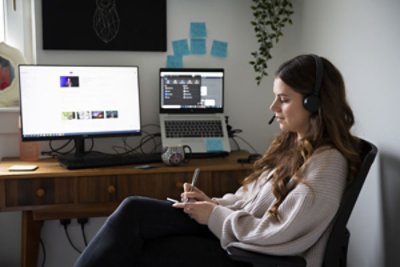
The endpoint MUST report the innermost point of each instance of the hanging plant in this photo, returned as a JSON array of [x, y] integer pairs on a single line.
[[270, 17]]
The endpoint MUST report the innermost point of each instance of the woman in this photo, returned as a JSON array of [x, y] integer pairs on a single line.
[[285, 207]]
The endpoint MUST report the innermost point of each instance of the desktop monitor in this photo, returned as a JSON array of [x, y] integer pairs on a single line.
[[78, 102]]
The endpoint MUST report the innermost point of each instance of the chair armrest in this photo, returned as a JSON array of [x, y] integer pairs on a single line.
[[265, 260]]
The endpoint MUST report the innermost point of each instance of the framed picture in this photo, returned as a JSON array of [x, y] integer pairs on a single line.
[[10, 57], [138, 25]]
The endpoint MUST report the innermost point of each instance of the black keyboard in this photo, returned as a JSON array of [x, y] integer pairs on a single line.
[[98, 159], [197, 128]]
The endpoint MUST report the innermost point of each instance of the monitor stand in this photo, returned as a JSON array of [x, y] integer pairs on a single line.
[[80, 153]]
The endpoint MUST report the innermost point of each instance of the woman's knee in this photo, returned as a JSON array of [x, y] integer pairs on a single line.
[[130, 206], [140, 208], [131, 203]]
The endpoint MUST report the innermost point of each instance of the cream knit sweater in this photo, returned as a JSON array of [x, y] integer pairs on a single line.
[[241, 219]]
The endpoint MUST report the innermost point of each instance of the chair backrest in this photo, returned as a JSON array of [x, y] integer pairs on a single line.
[[336, 249]]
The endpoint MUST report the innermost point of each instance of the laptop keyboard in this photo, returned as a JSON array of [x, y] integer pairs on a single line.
[[189, 128]]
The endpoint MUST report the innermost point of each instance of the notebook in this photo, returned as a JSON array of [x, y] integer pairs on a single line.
[[192, 98]]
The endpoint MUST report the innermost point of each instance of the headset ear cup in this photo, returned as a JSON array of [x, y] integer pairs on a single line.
[[311, 103]]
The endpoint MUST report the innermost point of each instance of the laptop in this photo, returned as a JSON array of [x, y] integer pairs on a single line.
[[192, 110]]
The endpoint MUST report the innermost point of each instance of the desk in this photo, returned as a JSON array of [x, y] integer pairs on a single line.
[[52, 192]]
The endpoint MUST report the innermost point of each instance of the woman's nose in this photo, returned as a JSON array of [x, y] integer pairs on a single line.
[[273, 106]]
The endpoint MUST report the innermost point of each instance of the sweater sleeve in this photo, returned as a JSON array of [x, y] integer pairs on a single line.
[[230, 199], [304, 214]]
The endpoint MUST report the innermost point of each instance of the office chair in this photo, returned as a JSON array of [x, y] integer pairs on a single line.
[[336, 249]]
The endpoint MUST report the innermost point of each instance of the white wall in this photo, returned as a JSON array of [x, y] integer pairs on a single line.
[[359, 36]]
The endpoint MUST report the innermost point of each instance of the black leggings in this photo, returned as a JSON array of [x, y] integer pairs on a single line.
[[149, 232]]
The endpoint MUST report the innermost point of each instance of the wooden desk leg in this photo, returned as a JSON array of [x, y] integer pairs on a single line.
[[30, 240]]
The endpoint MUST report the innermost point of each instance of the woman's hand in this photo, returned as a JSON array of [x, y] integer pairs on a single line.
[[194, 195], [196, 204], [200, 211]]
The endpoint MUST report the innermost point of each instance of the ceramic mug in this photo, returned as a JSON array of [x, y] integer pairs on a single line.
[[176, 155]]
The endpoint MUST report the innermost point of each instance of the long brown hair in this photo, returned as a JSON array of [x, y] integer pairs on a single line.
[[330, 127]]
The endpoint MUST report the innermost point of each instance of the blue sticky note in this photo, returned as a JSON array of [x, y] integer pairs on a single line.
[[174, 61], [219, 49], [198, 46], [180, 47], [198, 29], [214, 144]]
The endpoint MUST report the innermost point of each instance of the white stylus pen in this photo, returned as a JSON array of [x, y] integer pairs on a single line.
[[194, 178]]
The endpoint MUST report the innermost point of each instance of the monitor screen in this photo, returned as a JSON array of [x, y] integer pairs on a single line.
[[191, 90], [61, 102]]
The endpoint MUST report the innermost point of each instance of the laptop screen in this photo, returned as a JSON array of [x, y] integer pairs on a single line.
[[191, 90]]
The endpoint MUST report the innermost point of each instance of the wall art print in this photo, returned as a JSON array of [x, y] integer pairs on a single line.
[[138, 25]]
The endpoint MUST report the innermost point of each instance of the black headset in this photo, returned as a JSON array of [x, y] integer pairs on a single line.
[[311, 102]]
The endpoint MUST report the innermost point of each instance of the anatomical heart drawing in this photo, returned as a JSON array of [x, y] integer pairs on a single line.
[[106, 20], [138, 25]]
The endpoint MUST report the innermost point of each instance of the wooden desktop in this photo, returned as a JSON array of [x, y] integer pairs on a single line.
[[52, 192]]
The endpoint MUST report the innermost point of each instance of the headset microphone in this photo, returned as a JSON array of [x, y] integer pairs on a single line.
[[271, 120]]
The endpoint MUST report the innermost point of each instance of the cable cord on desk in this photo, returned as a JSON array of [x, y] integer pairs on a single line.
[[144, 140], [233, 134], [233, 138], [125, 149]]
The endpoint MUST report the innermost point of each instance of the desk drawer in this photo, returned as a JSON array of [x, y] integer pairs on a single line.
[[98, 189], [103, 189], [26, 192]]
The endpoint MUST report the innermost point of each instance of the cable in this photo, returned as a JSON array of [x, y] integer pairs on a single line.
[[44, 252], [83, 222], [243, 140], [70, 241], [236, 143], [151, 125], [129, 149], [65, 223], [233, 133], [59, 148], [84, 235], [120, 150], [91, 144], [148, 138], [126, 148], [54, 151]]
